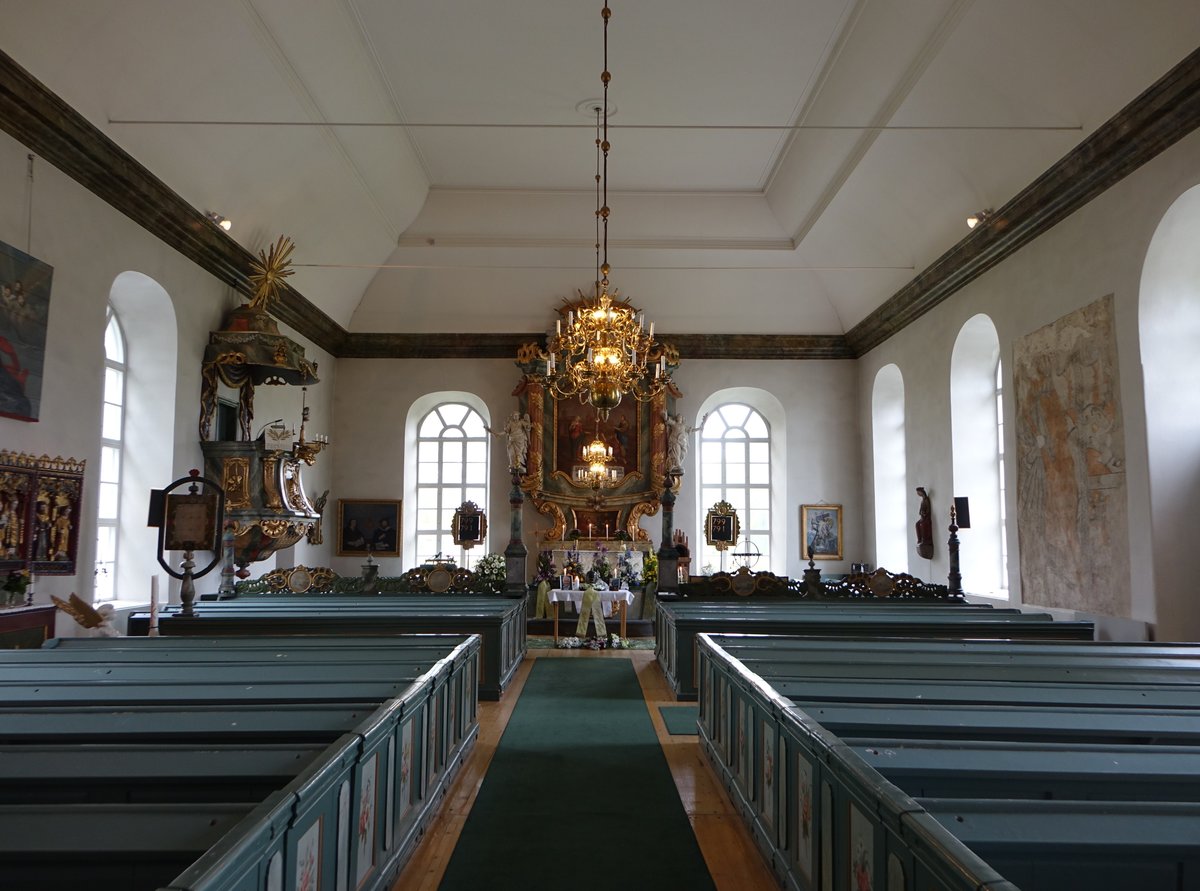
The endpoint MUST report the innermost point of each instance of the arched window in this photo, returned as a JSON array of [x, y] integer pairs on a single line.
[[147, 337], [735, 466], [1169, 329], [111, 451], [1000, 478], [891, 472], [976, 429], [452, 467]]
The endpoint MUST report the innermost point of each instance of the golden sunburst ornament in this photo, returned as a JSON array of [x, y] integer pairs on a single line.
[[269, 271]]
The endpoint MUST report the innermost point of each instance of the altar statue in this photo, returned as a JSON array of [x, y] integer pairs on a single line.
[[516, 429]]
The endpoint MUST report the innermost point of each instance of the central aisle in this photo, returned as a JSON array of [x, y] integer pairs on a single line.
[[579, 793]]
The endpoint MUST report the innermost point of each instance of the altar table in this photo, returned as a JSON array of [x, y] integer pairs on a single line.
[[621, 599]]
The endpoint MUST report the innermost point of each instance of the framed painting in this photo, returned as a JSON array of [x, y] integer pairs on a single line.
[[24, 313], [821, 528], [367, 526]]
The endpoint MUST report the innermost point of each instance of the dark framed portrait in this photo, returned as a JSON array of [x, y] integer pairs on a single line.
[[367, 526], [721, 525], [821, 531], [469, 525]]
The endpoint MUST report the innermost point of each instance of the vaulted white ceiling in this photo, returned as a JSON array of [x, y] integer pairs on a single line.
[[777, 167]]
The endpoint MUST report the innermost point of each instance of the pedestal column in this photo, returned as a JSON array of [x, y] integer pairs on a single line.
[[668, 557], [954, 579], [516, 554]]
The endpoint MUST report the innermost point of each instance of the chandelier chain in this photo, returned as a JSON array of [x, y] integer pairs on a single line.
[[604, 351]]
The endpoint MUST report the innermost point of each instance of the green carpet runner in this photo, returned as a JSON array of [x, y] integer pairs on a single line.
[[680, 720], [578, 794]]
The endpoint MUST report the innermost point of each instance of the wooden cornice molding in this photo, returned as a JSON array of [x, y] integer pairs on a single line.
[[49, 127], [759, 346], [1151, 123], [504, 346], [478, 345]]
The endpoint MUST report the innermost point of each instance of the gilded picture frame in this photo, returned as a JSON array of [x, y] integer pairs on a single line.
[[821, 531], [722, 527], [469, 525]]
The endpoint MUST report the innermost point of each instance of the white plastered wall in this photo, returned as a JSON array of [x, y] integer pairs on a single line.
[[90, 244], [1098, 250], [819, 439]]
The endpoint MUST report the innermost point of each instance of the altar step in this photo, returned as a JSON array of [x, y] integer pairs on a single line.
[[566, 626]]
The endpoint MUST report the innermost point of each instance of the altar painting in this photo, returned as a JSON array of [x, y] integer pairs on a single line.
[[575, 425]]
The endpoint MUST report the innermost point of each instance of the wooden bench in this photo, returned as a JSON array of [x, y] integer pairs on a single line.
[[300, 775], [499, 622], [807, 756], [678, 624]]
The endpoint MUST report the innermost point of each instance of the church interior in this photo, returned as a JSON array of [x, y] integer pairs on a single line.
[[899, 303]]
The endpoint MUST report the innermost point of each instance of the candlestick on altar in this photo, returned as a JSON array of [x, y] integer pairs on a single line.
[[591, 530], [606, 531]]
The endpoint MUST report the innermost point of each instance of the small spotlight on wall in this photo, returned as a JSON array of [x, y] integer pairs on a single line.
[[979, 217], [219, 220]]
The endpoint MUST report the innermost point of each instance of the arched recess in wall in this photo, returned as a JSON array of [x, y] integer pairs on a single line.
[[1169, 330], [768, 406], [975, 434], [147, 317], [462, 427], [890, 470]]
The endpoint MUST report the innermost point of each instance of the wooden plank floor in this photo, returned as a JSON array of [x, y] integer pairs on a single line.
[[732, 858]]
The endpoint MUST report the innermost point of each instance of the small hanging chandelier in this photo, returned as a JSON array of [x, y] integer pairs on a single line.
[[605, 351], [597, 456]]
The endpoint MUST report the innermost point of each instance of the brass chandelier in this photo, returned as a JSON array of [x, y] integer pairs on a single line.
[[605, 350], [597, 456]]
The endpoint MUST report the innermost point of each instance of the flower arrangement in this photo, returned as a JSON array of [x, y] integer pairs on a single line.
[[545, 572], [625, 571], [650, 567], [601, 566], [593, 643], [572, 564], [491, 573], [16, 584]]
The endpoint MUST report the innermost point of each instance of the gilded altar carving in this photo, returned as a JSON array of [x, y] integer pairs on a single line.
[[559, 428], [558, 528], [633, 524]]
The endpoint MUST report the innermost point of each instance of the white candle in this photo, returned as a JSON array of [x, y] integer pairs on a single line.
[[153, 606], [590, 533], [606, 530]]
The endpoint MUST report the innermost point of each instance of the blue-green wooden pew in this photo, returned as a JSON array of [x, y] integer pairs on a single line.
[[499, 622], [678, 623], [811, 777], [339, 789]]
